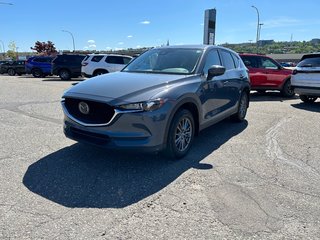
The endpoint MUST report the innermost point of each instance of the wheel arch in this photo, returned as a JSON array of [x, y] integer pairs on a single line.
[[191, 104], [100, 69]]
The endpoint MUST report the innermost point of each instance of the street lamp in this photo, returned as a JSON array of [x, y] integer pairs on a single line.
[[74, 48], [258, 25]]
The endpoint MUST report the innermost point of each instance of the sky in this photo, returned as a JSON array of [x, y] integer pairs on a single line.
[[108, 24]]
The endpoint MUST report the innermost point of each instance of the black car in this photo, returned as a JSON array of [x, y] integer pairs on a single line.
[[67, 66], [13, 68], [160, 101]]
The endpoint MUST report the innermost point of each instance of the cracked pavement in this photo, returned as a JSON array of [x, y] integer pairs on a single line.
[[255, 180]]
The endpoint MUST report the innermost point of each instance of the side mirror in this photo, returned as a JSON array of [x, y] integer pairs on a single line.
[[215, 70]]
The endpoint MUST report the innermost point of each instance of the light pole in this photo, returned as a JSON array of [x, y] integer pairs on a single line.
[[258, 25], [74, 48], [4, 50]]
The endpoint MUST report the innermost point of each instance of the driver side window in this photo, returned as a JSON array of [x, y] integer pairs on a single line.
[[212, 59]]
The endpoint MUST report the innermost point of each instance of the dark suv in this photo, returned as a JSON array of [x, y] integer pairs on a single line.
[[160, 101], [267, 74], [13, 68], [67, 66], [39, 66]]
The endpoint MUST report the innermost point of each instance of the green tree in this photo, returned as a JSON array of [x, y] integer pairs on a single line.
[[12, 52]]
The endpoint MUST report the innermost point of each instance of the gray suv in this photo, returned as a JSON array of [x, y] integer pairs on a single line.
[[160, 101]]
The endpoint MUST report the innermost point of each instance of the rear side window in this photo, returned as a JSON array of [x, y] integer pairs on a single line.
[[310, 62], [114, 60], [250, 62], [96, 58], [227, 60], [236, 59]]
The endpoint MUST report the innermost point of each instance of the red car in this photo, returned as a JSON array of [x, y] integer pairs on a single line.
[[267, 74]]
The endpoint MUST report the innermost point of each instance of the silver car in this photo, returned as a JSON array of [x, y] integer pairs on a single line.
[[160, 101], [305, 78]]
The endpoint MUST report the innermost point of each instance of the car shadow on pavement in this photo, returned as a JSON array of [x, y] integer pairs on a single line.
[[81, 176], [270, 96], [312, 107]]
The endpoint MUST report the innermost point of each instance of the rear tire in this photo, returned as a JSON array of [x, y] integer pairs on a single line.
[[65, 74], [99, 72], [11, 72], [287, 90], [240, 115], [180, 135], [308, 99]]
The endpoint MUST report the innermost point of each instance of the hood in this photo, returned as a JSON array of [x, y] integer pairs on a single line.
[[122, 86]]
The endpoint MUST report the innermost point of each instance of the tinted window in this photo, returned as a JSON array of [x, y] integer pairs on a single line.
[[212, 59], [96, 58], [310, 62], [86, 58], [114, 60], [250, 61], [227, 60]]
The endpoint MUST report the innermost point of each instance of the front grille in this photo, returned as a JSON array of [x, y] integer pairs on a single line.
[[99, 113]]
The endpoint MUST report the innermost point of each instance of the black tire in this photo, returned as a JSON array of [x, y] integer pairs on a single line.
[[308, 99], [99, 72], [240, 115], [180, 135], [287, 90], [37, 72], [11, 72], [65, 74]]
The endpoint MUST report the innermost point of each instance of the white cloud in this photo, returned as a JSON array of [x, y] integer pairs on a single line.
[[138, 46], [91, 41], [118, 49], [85, 48], [108, 48], [145, 22], [120, 43], [92, 46], [130, 36]]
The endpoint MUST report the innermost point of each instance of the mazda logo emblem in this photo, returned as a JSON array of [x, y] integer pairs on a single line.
[[84, 108]]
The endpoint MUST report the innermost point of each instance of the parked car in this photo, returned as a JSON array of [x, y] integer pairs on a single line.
[[39, 66], [67, 66], [160, 100], [97, 64], [306, 78], [12, 68], [267, 74]]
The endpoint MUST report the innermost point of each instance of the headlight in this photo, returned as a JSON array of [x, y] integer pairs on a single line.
[[142, 106]]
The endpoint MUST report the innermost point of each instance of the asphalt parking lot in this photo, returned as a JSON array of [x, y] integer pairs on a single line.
[[259, 179]]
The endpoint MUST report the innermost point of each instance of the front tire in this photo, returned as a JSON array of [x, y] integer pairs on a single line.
[[240, 115], [308, 99], [180, 135], [37, 73], [11, 72]]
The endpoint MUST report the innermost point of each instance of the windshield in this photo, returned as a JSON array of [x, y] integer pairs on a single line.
[[166, 60]]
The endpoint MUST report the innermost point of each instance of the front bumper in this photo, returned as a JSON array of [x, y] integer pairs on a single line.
[[143, 130]]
